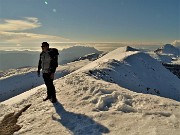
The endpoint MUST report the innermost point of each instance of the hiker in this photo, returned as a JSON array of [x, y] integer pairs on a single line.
[[48, 62]]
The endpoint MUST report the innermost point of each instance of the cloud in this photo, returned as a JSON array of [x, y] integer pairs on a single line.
[[18, 45], [14, 31], [19, 25], [21, 37], [176, 43]]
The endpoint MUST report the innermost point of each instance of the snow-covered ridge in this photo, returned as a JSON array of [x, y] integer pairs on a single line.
[[115, 54], [90, 101], [136, 71]]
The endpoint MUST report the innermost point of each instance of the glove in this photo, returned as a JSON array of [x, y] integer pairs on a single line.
[[38, 73]]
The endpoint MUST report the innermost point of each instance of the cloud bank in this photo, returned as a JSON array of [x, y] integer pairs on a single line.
[[19, 25], [21, 37], [14, 31]]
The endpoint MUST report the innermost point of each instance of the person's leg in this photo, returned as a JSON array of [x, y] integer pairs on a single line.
[[51, 92], [47, 83]]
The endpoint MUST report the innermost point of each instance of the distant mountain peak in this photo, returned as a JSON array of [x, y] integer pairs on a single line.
[[129, 48], [168, 46], [168, 49]]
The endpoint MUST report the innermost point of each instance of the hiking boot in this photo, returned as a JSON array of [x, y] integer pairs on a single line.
[[46, 98]]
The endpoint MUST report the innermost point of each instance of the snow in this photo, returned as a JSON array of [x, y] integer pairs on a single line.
[[167, 54], [78, 110], [91, 57], [75, 52], [11, 80], [136, 71], [170, 49], [89, 104]]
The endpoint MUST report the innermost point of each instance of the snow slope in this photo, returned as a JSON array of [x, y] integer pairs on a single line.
[[136, 71], [87, 106], [16, 81]]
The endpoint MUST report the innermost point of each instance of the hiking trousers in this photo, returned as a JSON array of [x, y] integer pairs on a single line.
[[51, 92]]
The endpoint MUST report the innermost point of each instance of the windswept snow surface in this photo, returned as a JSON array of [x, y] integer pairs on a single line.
[[88, 104], [16, 81]]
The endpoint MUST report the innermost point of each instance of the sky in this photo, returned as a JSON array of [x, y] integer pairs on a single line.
[[27, 23]]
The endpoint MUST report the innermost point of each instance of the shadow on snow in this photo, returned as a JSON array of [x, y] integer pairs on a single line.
[[78, 124]]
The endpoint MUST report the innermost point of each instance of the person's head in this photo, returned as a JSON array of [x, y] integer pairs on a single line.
[[45, 46]]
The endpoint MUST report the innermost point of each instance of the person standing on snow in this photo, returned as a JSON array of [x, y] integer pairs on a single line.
[[48, 62]]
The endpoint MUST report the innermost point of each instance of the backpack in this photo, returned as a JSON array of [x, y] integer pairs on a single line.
[[53, 52]]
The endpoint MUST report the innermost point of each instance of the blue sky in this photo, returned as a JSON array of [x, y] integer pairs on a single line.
[[33, 21]]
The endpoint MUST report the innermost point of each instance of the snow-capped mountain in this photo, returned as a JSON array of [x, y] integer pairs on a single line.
[[167, 54], [168, 49], [75, 52], [101, 98]]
